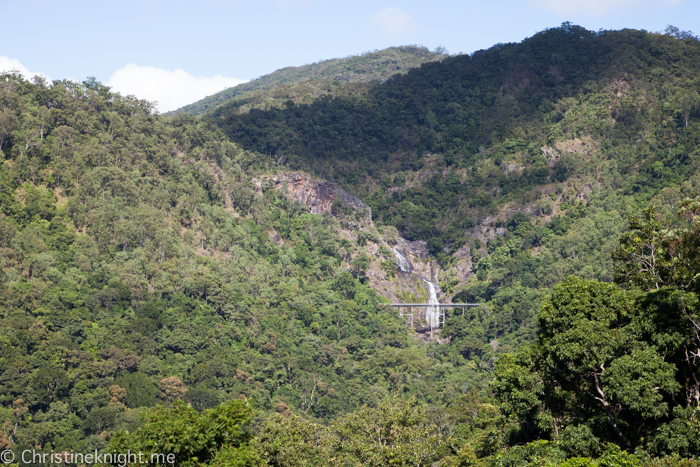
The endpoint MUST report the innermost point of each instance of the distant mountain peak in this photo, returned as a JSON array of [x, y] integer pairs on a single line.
[[374, 66]]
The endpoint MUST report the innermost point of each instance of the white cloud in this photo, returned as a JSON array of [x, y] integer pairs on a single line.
[[11, 64], [171, 89], [392, 22], [596, 7]]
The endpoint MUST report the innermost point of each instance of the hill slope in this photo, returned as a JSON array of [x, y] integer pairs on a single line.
[[365, 68], [145, 259], [517, 165]]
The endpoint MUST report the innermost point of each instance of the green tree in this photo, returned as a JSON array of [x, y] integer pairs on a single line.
[[290, 441], [360, 263], [395, 433], [594, 363], [651, 256], [687, 102], [215, 437], [140, 389]]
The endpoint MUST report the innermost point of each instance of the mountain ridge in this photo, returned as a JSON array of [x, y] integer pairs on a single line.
[[172, 275], [365, 68]]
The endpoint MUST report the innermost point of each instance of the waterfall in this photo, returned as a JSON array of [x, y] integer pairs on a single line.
[[401, 261], [432, 313]]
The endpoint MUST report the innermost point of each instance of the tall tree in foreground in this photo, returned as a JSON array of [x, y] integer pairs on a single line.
[[395, 433], [216, 437], [618, 364]]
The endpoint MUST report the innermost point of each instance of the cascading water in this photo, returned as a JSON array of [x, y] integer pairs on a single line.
[[432, 312], [401, 261]]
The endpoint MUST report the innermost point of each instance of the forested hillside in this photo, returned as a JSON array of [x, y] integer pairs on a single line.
[[138, 268], [518, 165], [177, 285], [366, 68]]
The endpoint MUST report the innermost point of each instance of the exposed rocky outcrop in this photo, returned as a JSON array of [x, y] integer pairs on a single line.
[[550, 154], [417, 249], [321, 197], [463, 266], [317, 195], [276, 238]]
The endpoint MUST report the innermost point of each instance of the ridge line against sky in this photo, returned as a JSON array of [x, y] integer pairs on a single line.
[[180, 51]]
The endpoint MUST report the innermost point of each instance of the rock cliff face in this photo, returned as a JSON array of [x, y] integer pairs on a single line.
[[321, 197], [463, 267], [318, 195], [417, 249]]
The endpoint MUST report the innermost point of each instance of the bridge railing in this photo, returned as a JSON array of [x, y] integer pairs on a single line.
[[442, 306]]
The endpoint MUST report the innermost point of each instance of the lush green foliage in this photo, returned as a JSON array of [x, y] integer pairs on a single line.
[[282, 95], [524, 158], [622, 99], [614, 364], [152, 277], [652, 256], [369, 67], [395, 433], [137, 268], [179, 435]]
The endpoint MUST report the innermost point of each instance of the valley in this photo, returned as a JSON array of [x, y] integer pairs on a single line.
[[222, 278]]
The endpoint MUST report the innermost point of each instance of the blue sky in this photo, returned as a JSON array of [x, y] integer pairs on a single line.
[[179, 51]]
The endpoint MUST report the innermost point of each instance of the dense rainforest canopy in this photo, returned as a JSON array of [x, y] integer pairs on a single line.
[[153, 280], [622, 101], [137, 268]]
